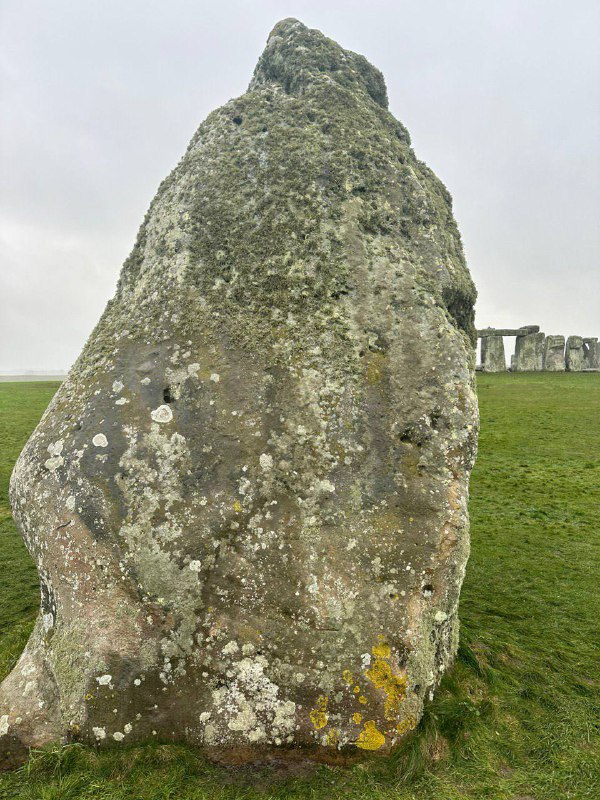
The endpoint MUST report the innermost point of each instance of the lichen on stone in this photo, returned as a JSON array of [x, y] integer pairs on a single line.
[[247, 502]]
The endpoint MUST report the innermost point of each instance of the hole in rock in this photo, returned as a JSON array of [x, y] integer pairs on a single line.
[[427, 590], [237, 120], [167, 396]]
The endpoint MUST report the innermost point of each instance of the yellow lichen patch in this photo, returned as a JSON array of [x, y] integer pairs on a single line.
[[363, 700], [333, 736], [356, 690], [348, 677], [357, 718], [318, 716], [382, 677], [406, 725], [382, 649], [370, 738], [237, 506]]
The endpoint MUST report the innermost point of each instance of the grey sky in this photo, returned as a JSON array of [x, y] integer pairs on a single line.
[[100, 98]]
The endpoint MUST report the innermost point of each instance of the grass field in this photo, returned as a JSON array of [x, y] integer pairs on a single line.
[[517, 717]]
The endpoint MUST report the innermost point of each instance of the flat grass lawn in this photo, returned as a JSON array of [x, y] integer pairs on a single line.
[[517, 716]]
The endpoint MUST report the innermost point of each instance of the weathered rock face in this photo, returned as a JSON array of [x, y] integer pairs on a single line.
[[574, 354], [493, 358], [248, 501], [529, 353], [554, 354]]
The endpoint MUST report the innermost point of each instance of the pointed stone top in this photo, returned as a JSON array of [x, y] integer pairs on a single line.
[[296, 57]]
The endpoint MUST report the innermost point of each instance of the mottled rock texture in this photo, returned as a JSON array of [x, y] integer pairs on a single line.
[[248, 501], [554, 354]]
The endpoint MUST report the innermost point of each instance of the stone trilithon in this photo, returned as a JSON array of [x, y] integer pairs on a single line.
[[248, 501]]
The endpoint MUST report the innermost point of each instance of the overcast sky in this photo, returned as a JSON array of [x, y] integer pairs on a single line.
[[100, 98]]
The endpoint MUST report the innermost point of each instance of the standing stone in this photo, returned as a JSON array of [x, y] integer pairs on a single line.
[[554, 354], [493, 358], [590, 353], [574, 354], [248, 501], [529, 352]]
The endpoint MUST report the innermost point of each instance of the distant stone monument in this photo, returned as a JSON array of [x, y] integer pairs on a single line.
[[590, 359], [534, 351], [554, 354], [248, 501], [574, 354], [529, 351], [493, 358]]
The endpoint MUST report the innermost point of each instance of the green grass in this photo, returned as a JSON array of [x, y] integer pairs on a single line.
[[517, 717]]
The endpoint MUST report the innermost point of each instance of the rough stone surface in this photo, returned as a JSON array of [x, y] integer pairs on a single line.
[[493, 358], [554, 354], [574, 354], [529, 353], [248, 501]]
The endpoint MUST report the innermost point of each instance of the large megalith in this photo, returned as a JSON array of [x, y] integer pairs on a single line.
[[554, 354], [590, 353], [574, 354], [248, 501], [529, 352], [493, 358]]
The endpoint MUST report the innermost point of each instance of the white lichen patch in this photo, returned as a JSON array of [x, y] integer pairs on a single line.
[[251, 703], [104, 680], [121, 401], [195, 566], [99, 733], [4, 726], [162, 414], [100, 440], [117, 386], [325, 486], [56, 448], [215, 377], [266, 461], [118, 736], [53, 463]]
